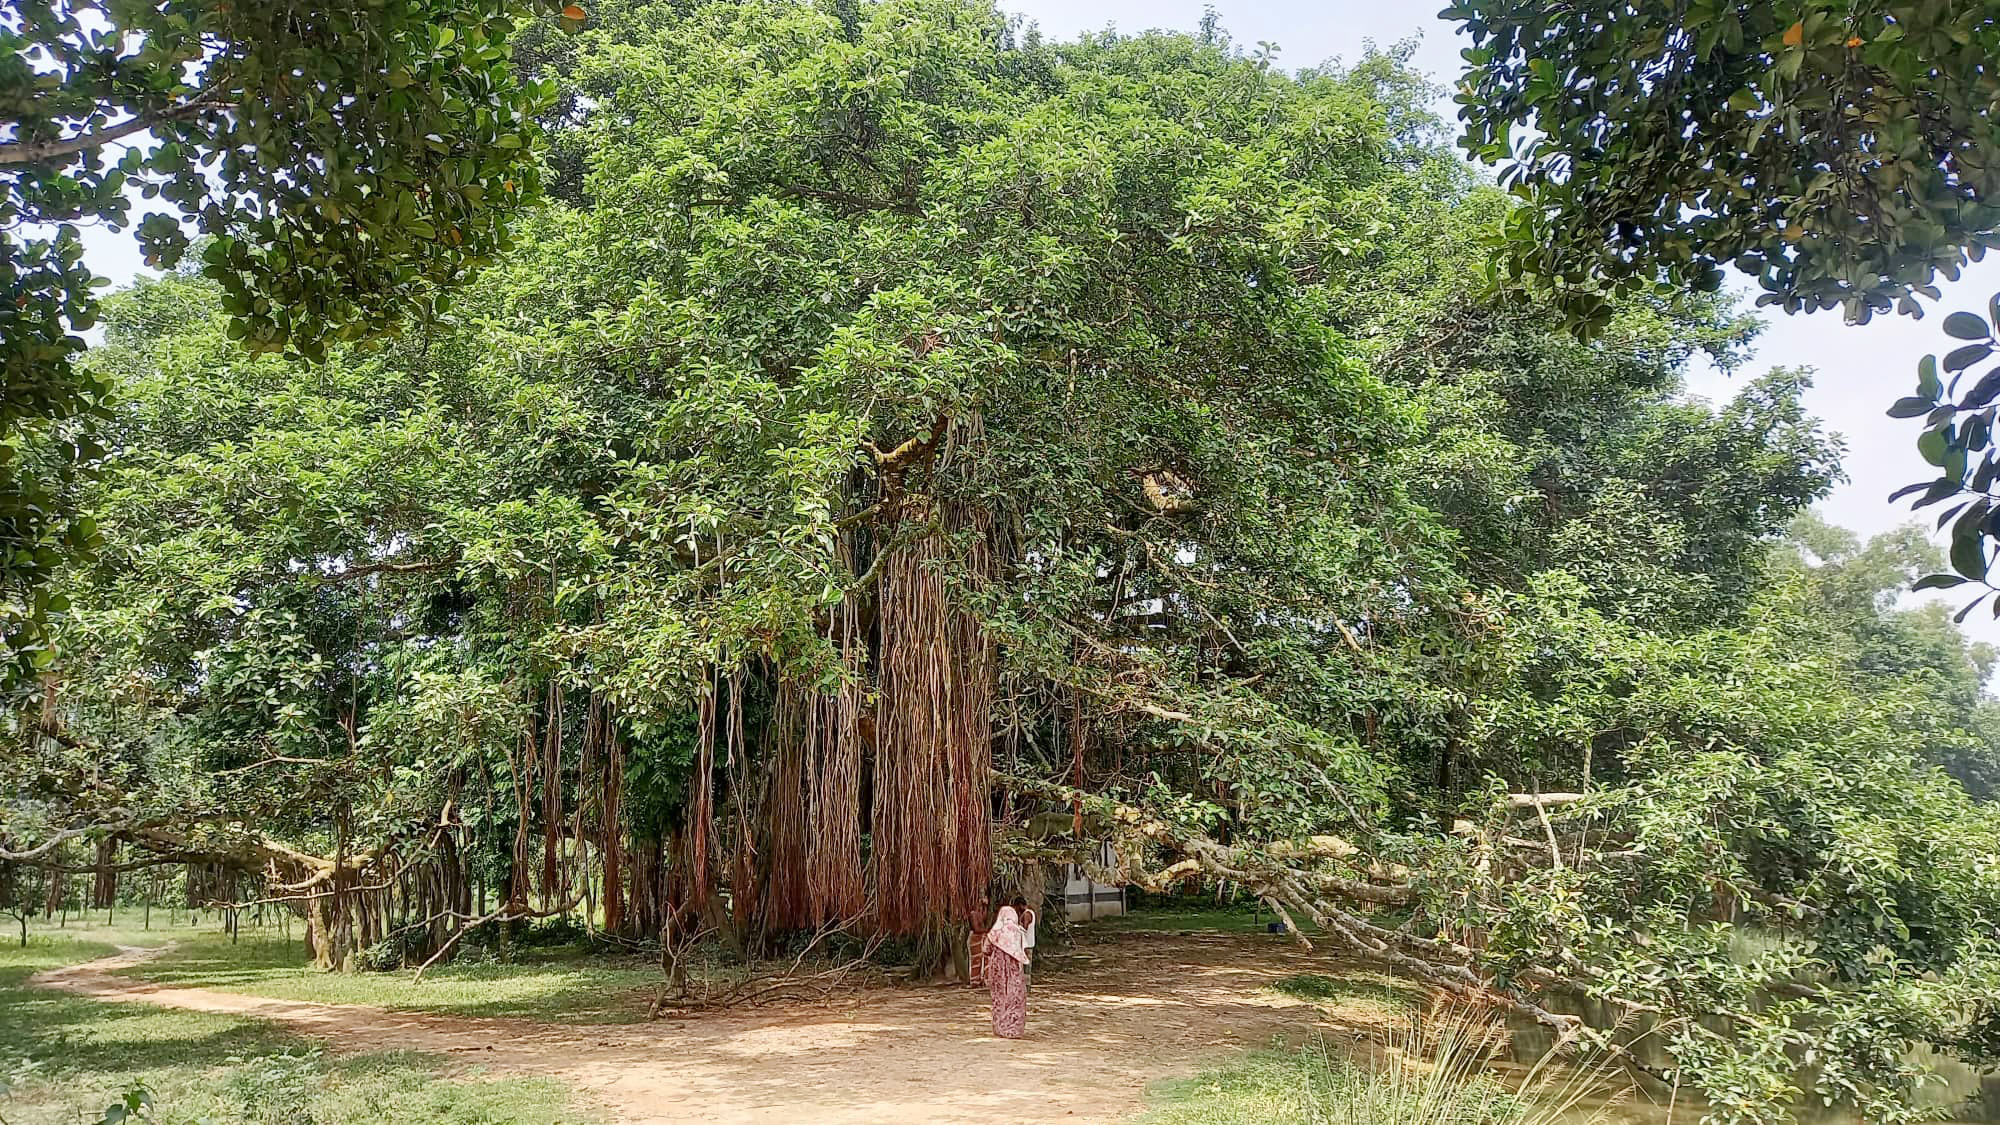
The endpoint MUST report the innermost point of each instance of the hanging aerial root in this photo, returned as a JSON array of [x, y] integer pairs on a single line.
[[932, 824], [836, 883], [812, 807], [786, 811], [700, 829]]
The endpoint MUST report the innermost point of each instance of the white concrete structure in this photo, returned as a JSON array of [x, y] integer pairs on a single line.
[[1084, 898]]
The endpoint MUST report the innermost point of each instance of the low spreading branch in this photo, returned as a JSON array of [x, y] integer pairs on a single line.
[[508, 912], [57, 839], [1296, 890], [1542, 800]]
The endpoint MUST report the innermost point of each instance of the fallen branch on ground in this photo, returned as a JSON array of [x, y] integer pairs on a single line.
[[756, 988]]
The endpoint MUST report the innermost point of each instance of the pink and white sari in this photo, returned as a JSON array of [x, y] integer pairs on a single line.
[[1006, 957]]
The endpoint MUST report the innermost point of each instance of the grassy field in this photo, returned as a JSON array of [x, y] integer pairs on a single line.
[[1185, 914], [1395, 1059], [1317, 1085], [1366, 999], [560, 986], [1262, 1087], [64, 1059], [1178, 916], [1231, 921]]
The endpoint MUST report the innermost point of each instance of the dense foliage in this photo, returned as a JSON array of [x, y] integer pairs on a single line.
[[346, 160], [1844, 153], [911, 451]]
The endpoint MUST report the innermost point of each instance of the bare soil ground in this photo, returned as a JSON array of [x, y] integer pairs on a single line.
[[1117, 1015]]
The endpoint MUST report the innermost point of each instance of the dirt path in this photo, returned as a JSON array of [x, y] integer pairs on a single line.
[[1121, 1014]]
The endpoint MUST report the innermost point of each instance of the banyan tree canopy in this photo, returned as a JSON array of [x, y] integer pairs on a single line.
[[898, 431]]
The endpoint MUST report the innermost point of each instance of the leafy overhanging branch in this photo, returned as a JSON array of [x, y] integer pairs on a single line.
[[31, 152], [1291, 888]]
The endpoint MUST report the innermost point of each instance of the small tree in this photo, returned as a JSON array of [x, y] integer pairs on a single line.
[[24, 890]]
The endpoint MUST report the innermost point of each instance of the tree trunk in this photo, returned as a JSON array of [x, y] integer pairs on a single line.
[[330, 930], [104, 888], [611, 844]]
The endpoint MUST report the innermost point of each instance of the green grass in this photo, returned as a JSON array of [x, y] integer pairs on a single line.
[[125, 929], [63, 1059], [559, 986], [1437, 1071], [1312, 1085], [1175, 920], [1371, 999], [1261, 1088]]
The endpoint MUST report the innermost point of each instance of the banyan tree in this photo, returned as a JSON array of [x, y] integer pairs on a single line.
[[976, 438], [965, 406], [910, 451]]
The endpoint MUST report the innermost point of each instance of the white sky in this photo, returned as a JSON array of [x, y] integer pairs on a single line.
[[1859, 369]]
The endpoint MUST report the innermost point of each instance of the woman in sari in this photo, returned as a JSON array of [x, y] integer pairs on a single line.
[[1006, 957]]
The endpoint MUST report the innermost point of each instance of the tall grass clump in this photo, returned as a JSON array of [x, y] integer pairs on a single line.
[[1438, 1068]]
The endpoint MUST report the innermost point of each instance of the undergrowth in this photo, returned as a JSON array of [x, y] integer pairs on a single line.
[[1435, 1073]]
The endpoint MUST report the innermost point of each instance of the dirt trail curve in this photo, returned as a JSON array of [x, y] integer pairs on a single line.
[[1123, 1014]]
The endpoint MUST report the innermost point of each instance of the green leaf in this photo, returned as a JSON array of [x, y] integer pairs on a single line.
[[1983, 479], [1966, 326], [1971, 523], [1931, 444], [1911, 407], [1968, 556], [1928, 384], [1973, 436], [1962, 358], [1983, 392], [1937, 582]]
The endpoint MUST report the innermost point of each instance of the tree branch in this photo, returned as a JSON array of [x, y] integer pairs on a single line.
[[34, 152], [58, 840], [1443, 965]]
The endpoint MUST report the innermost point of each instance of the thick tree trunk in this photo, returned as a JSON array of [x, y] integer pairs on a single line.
[[331, 932], [104, 887]]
